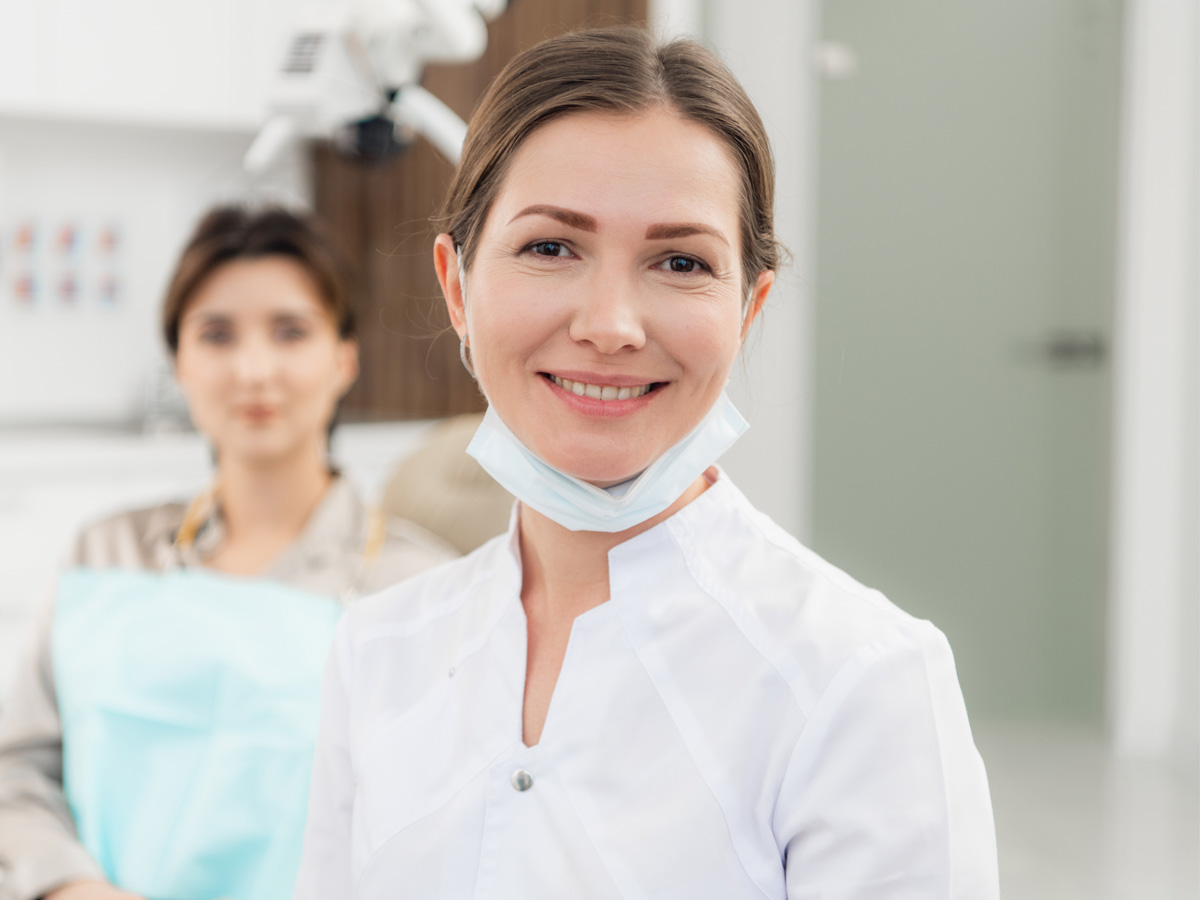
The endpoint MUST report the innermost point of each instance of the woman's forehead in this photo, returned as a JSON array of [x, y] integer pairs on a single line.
[[269, 285], [651, 168]]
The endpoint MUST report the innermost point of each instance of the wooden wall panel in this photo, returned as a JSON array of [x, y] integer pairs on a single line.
[[380, 216]]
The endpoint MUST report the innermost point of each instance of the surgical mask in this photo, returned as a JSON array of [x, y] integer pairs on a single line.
[[579, 506]]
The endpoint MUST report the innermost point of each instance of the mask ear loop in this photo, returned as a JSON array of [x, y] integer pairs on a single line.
[[462, 287], [462, 355], [749, 312]]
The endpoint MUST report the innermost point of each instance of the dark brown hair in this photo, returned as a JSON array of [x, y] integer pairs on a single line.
[[616, 70], [228, 233]]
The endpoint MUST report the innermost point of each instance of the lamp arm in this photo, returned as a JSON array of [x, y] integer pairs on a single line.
[[421, 111]]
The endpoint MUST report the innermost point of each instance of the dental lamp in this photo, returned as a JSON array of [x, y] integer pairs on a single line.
[[352, 70]]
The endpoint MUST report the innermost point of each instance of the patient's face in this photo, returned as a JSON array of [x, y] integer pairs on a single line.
[[260, 360]]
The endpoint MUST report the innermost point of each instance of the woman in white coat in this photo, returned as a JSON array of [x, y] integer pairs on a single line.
[[646, 689]]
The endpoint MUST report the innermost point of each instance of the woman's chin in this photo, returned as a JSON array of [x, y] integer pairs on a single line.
[[260, 450], [602, 464], [602, 476], [599, 469]]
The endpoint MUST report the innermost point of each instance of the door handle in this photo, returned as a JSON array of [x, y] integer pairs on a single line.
[[1079, 348], [1068, 349]]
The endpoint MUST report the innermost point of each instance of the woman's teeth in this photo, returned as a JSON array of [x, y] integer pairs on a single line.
[[600, 391]]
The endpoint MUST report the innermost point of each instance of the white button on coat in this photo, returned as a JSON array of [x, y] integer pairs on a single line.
[[740, 720]]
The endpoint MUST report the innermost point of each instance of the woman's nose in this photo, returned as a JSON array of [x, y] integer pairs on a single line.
[[609, 315], [254, 362]]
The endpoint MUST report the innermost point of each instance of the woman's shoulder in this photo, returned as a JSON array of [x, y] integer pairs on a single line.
[[136, 538], [406, 549], [460, 586], [791, 601], [345, 534], [736, 544], [400, 533]]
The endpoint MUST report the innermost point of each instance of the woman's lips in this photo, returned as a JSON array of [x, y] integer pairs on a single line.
[[596, 395], [256, 413]]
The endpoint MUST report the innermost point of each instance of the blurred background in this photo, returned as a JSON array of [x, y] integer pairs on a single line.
[[976, 387]]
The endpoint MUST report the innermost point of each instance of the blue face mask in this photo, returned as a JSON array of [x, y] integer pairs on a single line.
[[579, 506]]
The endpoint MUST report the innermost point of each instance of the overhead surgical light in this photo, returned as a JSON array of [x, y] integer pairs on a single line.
[[352, 72]]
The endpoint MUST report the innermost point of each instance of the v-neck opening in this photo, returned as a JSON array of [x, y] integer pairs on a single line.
[[563, 670]]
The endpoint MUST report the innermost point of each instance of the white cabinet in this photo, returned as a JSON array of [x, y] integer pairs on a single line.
[[192, 64]]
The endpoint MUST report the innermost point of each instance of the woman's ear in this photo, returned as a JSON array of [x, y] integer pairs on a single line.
[[445, 263], [180, 374], [348, 367], [758, 296]]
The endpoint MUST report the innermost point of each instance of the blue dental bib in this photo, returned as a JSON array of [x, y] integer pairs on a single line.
[[189, 705]]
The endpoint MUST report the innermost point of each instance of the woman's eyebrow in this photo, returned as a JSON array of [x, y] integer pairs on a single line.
[[570, 217], [205, 318], [584, 222], [682, 229]]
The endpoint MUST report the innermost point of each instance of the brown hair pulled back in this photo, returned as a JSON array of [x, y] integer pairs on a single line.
[[614, 70], [228, 233]]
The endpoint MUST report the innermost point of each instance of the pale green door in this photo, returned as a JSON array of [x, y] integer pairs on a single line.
[[965, 285]]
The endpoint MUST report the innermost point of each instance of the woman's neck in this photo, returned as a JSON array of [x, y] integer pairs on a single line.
[[266, 506], [564, 572]]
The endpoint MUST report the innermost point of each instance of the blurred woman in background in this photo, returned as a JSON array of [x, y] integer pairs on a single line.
[[158, 740]]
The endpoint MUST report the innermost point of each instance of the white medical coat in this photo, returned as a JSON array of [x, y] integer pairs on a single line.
[[741, 719]]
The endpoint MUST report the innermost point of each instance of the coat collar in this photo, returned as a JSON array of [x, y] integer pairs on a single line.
[[692, 522], [338, 525]]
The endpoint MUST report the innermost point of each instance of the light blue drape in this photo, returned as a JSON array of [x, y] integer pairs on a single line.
[[189, 706]]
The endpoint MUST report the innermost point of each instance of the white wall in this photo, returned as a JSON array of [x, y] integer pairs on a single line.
[[1153, 646], [87, 359], [768, 45], [116, 117], [1188, 725]]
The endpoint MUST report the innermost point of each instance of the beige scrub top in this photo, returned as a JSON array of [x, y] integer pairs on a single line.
[[38, 846]]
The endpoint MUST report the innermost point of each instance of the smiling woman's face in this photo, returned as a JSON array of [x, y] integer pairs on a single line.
[[260, 360], [605, 304]]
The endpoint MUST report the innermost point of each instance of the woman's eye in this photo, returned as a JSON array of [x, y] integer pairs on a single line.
[[683, 265], [291, 333], [216, 336], [549, 248]]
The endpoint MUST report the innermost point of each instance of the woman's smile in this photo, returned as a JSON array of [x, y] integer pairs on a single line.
[[606, 397], [605, 392]]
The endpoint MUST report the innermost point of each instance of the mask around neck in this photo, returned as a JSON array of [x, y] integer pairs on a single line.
[[579, 506]]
